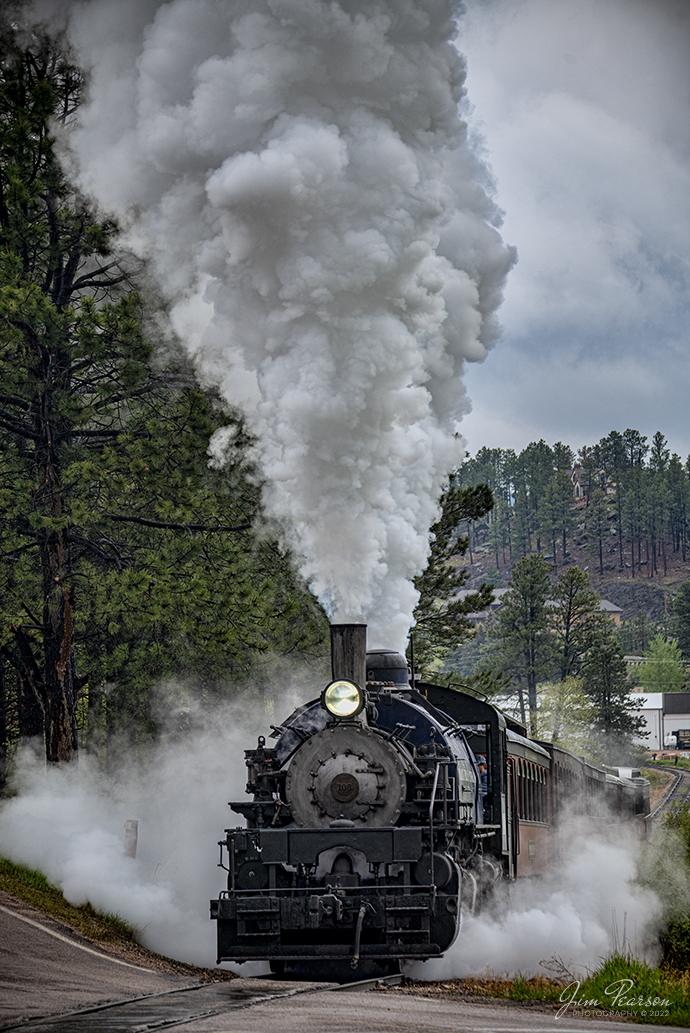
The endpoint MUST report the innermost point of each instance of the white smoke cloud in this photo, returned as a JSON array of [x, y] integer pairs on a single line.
[[584, 909], [68, 822], [298, 177]]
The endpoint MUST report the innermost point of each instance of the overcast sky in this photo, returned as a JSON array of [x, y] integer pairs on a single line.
[[584, 111]]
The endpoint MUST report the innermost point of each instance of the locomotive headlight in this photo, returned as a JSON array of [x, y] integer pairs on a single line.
[[343, 698]]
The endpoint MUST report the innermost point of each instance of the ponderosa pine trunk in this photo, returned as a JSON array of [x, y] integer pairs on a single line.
[[60, 682]]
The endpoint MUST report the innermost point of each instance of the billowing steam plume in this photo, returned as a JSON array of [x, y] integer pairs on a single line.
[[297, 175]]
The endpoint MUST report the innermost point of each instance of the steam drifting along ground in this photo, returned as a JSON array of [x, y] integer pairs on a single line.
[[586, 908], [299, 179], [68, 822]]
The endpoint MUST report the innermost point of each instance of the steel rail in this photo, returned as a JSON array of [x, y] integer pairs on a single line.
[[64, 1022], [682, 778]]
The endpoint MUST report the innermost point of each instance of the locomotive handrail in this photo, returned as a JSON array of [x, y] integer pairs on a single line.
[[400, 888], [433, 796]]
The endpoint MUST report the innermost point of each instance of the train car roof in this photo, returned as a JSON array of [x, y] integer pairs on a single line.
[[593, 770], [554, 747], [527, 744]]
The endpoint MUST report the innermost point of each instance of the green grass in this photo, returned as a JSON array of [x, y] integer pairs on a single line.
[[634, 990], [670, 764], [33, 888], [655, 777], [537, 988], [621, 988]]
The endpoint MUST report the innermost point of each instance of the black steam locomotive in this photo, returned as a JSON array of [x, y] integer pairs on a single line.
[[382, 810]]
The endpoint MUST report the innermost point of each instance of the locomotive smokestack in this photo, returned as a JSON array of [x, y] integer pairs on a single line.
[[349, 652]]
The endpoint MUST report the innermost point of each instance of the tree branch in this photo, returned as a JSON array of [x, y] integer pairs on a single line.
[[9, 424], [171, 526]]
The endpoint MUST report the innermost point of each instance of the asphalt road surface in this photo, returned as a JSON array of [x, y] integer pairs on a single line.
[[45, 969], [53, 981]]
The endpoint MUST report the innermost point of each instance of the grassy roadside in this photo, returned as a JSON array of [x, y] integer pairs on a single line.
[[669, 764], [620, 989], [659, 996], [34, 889], [659, 784]]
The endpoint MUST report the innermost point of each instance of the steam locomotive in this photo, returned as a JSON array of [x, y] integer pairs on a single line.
[[383, 810]]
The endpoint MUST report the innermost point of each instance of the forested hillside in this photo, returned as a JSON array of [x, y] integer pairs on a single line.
[[618, 510]]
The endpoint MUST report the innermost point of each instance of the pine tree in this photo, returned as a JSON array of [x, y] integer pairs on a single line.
[[523, 637], [440, 615], [54, 262], [618, 720], [124, 558], [558, 502], [611, 449], [596, 523], [577, 620]]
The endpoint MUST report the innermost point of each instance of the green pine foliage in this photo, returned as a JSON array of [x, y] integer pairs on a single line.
[[441, 615], [522, 645], [125, 556], [577, 620], [618, 720]]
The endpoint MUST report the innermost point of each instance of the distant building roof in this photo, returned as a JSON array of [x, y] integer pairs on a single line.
[[497, 592], [652, 700], [605, 604], [677, 702]]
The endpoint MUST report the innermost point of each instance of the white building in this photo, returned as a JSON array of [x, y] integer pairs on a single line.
[[665, 713]]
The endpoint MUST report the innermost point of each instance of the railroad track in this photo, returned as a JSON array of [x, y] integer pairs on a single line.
[[177, 1007], [679, 793]]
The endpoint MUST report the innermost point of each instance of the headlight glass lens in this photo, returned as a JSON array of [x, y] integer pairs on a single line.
[[342, 699]]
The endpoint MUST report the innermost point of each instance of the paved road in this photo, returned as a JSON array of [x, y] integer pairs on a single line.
[[392, 1012], [45, 970]]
